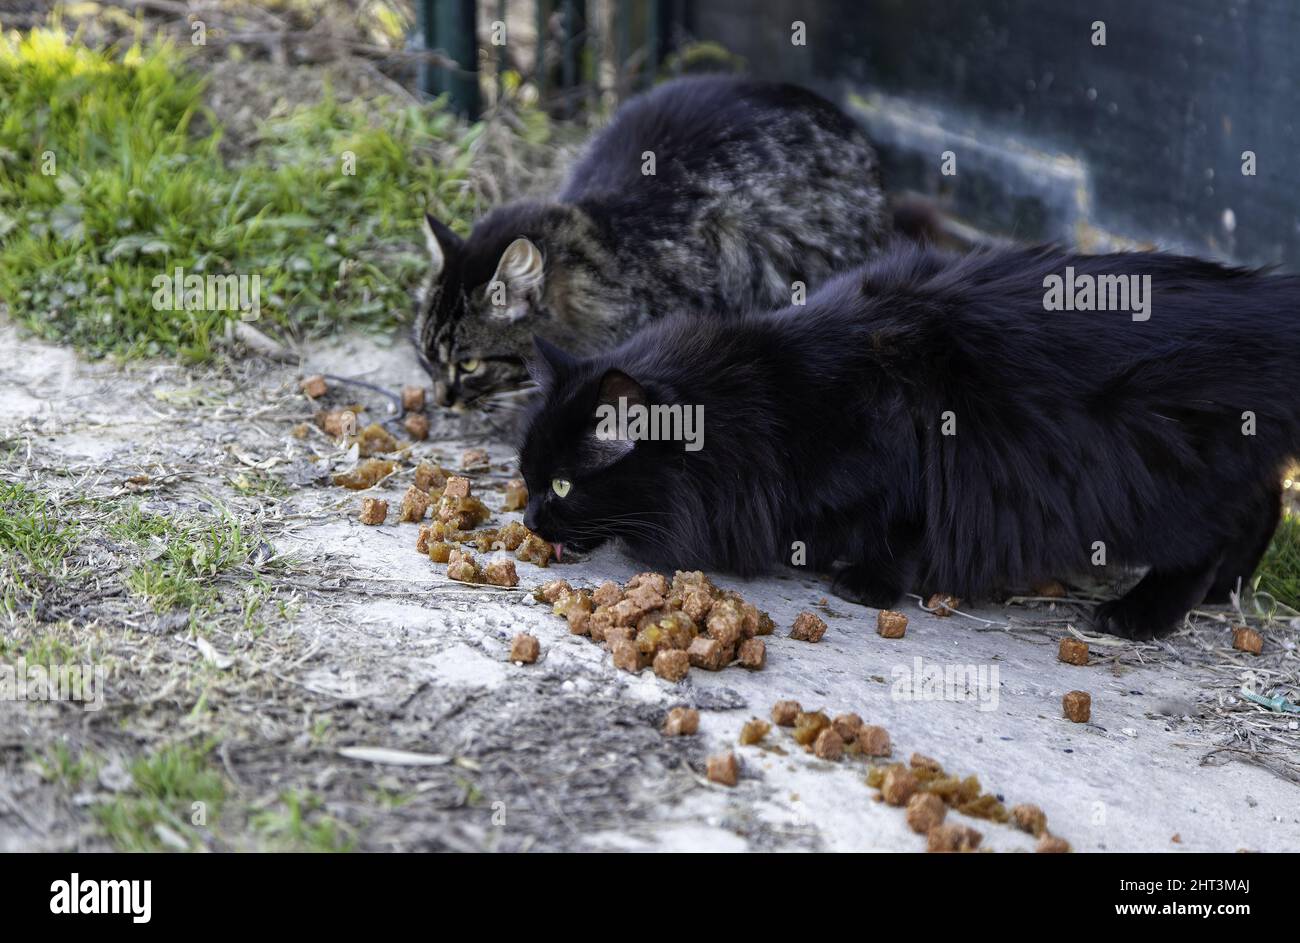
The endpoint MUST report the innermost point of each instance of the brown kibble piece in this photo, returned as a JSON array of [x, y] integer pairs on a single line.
[[440, 551], [920, 761], [950, 838], [413, 398], [752, 654], [373, 511], [607, 594], [943, 604], [754, 731], [429, 477], [1077, 706], [417, 426], [1050, 844], [1029, 818], [657, 583], [337, 423], [898, 785], [415, 504], [808, 628], [627, 656], [1073, 651], [725, 623], [456, 487], [724, 769], [534, 550], [1052, 589], [847, 726], [874, 741], [463, 571], [374, 439], [672, 664], [366, 475], [829, 745], [313, 387], [681, 722], [516, 497], [1247, 640], [808, 726], [705, 653], [474, 459], [552, 591], [525, 648], [785, 713], [924, 812], [891, 624], [501, 572]]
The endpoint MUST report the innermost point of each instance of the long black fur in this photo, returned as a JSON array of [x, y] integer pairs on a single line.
[[1074, 431]]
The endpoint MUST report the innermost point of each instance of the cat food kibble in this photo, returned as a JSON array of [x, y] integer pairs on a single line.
[[313, 387], [1029, 818], [847, 726], [456, 487], [706, 653], [501, 572], [429, 477], [873, 741], [440, 551], [808, 725], [374, 439], [413, 398], [534, 550], [373, 511], [681, 722], [942, 604], [1073, 651], [525, 648], [808, 628], [785, 713], [919, 761], [337, 423], [829, 745], [627, 657], [752, 653], [891, 624], [1247, 640], [416, 426], [898, 786], [924, 812], [1052, 589], [366, 475], [672, 664], [754, 731], [474, 460], [724, 769], [1077, 706], [552, 591], [1050, 844], [607, 594], [952, 838], [516, 497], [415, 504], [655, 583]]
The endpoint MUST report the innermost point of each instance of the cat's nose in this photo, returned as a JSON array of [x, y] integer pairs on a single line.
[[442, 393], [530, 518]]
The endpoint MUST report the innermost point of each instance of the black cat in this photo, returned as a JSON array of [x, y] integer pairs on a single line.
[[938, 423]]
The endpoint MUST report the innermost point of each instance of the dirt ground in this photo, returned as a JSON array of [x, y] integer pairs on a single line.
[[298, 662]]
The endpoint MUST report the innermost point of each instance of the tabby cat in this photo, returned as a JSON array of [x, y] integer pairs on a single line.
[[707, 194]]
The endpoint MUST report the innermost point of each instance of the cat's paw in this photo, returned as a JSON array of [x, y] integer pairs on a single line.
[[1129, 619], [858, 584]]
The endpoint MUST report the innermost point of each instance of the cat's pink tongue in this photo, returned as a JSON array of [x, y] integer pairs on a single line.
[[559, 551]]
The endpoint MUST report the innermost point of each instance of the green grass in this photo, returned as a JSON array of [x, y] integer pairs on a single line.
[[33, 544], [171, 788], [1279, 571], [298, 824], [106, 184], [183, 576]]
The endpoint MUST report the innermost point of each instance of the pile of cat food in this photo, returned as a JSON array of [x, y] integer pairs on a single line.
[[921, 786], [668, 627]]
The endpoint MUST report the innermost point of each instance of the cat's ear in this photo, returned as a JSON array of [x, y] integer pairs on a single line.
[[522, 273], [616, 385], [550, 361], [441, 241]]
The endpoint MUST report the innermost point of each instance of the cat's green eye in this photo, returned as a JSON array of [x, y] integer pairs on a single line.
[[468, 366], [561, 486]]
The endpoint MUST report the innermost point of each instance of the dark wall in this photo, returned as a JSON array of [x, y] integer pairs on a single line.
[[1056, 138]]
